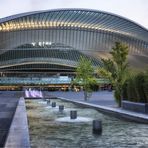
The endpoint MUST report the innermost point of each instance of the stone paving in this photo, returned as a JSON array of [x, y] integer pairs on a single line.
[[8, 104], [104, 98], [19, 133]]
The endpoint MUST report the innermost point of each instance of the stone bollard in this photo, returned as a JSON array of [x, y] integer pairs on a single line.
[[53, 104], [48, 101], [97, 127], [61, 108], [73, 114]]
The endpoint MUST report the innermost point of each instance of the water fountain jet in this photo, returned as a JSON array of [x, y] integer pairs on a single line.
[[48, 102]]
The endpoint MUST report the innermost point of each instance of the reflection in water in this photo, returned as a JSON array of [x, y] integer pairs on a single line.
[[46, 131]]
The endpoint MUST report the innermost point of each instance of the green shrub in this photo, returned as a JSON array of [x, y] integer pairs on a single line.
[[135, 88], [145, 86], [124, 90], [131, 90], [139, 85]]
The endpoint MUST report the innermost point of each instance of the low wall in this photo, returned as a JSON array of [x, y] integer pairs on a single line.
[[34, 98], [30, 98], [136, 107], [116, 112], [18, 136]]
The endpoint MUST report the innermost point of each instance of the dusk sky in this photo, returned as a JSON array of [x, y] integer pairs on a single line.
[[136, 10]]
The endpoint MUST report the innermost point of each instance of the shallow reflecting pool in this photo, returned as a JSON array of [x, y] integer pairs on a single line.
[[48, 131]]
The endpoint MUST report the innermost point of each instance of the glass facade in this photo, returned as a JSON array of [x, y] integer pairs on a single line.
[[57, 38]]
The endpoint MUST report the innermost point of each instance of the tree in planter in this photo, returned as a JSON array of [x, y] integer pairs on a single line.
[[116, 68], [85, 76]]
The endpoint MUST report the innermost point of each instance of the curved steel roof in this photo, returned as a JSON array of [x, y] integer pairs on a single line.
[[75, 18]]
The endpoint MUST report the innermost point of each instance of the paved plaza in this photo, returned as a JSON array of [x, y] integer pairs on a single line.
[[104, 98], [8, 103]]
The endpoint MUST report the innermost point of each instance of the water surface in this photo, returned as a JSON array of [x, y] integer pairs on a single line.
[[46, 132]]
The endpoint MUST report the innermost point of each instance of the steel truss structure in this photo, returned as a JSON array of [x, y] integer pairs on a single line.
[[55, 39]]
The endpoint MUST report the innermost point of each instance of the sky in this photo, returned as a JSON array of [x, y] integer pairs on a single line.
[[136, 10]]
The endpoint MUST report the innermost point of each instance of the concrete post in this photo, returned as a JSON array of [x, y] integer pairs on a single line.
[[53, 104], [73, 114], [97, 127], [61, 108]]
